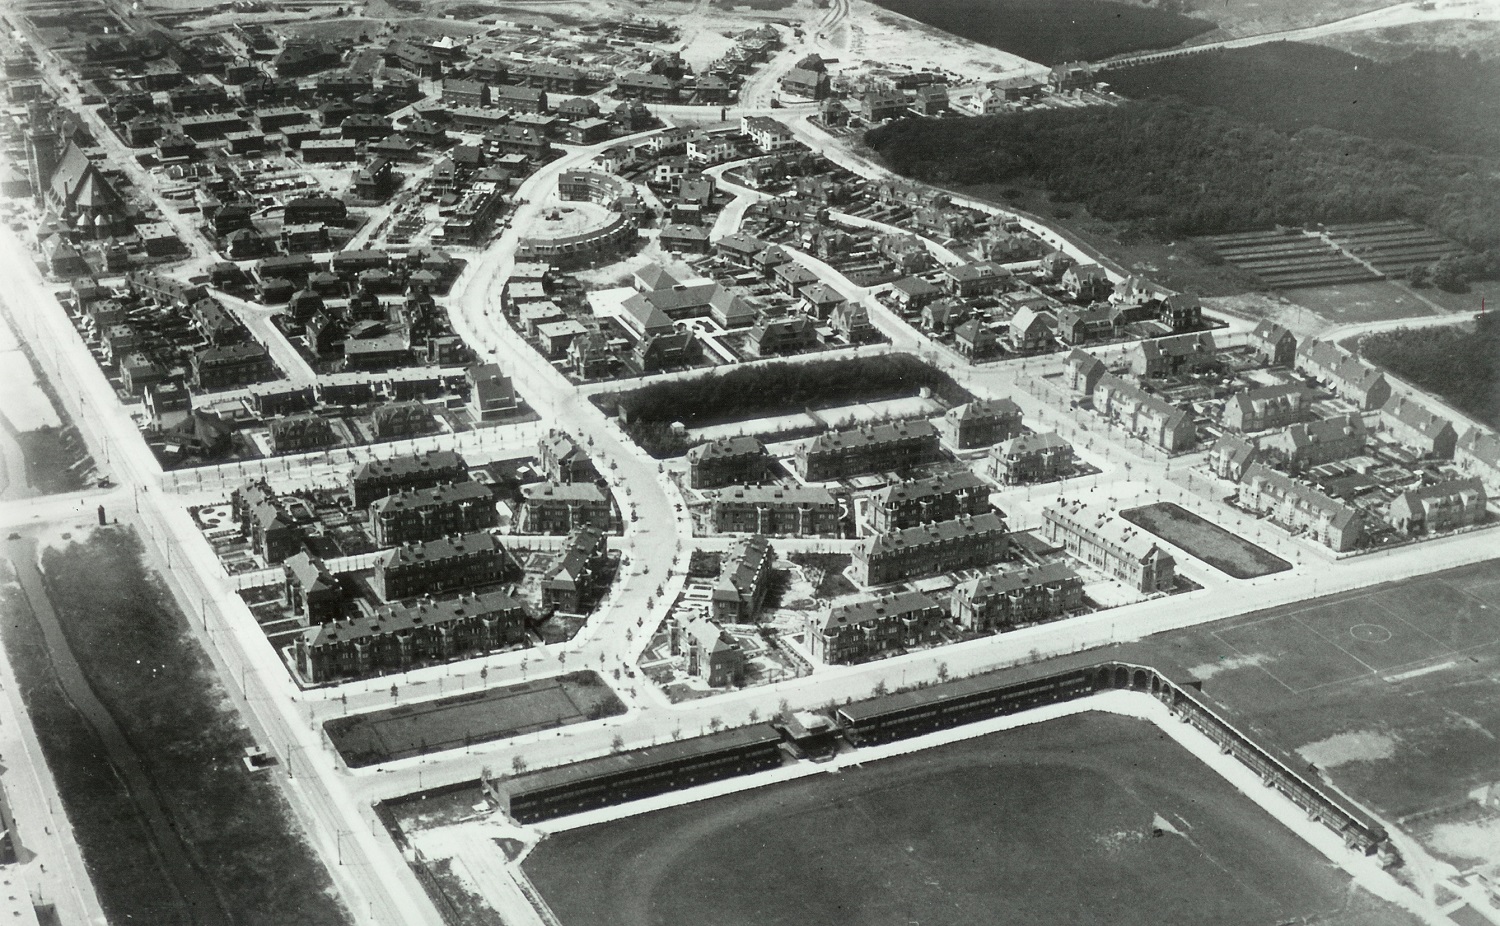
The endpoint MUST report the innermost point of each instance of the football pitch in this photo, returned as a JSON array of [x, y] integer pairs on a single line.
[[1393, 692], [1087, 819]]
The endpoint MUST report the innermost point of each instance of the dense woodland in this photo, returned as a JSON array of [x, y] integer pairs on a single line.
[[1461, 366], [1164, 169], [773, 389], [1440, 100]]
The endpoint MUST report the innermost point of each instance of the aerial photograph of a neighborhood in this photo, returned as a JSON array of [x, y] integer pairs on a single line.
[[749, 462]]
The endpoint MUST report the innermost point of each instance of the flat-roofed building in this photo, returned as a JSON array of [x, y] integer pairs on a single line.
[[921, 501], [1005, 600], [442, 565], [776, 511], [727, 461], [932, 549], [427, 514], [1302, 508], [1114, 547], [1032, 458], [889, 446], [743, 581], [868, 629]]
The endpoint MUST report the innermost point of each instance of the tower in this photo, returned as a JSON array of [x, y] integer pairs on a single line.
[[41, 152]]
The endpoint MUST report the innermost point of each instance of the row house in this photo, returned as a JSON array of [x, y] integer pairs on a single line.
[[1180, 355], [770, 135], [1231, 455], [1031, 458], [442, 565], [1147, 416], [1477, 453], [1268, 407], [868, 629], [314, 594], [1313, 443], [559, 508], [727, 461], [1114, 547], [1448, 505], [577, 574], [932, 549], [1301, 508], [1007, 600], [1273, 344], [889, 446], [1345, 374], [776, 511], [397, 637], [1077, 325], [232, 365], [982, 422], [427, 514], [301, 434], [1416, 426], [744, 580], [921, 501]]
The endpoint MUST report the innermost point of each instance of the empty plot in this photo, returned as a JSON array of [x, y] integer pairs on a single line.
[[1370, 633], [1455, 616], [1224, 550], [1294, 654]]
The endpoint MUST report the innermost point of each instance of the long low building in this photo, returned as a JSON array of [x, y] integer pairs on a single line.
[[627, 776], [1116, 548], [932, 549], [398, 637]]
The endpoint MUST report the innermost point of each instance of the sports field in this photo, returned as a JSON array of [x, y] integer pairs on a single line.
[[1084, 820], [1393, 692], [1227, 552], [476, 717]]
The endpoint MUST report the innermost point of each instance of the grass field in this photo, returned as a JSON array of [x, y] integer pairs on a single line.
[[476, 717], [1353, 303], [1394, 691], [1054, 31], [1030, 826], [1225, 551]]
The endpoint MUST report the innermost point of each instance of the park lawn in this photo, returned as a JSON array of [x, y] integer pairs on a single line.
[[483, 716], [1221, 549]]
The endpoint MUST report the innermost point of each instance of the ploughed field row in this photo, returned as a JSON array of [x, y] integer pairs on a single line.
[[1392, 247], [1282, 259]]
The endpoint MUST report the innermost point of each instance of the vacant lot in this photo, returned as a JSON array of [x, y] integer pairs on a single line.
[[1050, 824], [1227, 552], [476, 717], [1054, 31]]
